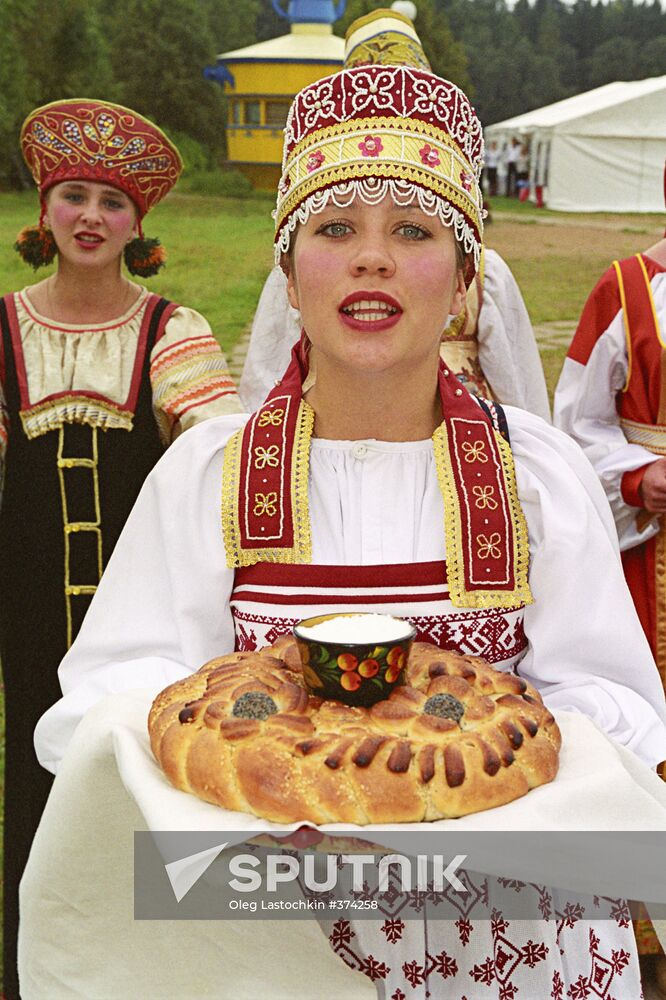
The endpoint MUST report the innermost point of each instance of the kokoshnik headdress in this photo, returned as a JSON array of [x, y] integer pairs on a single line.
[[89, 140], [371, 130], [378, 128]]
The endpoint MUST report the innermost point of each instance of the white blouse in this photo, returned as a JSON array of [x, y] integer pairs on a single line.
[[84, 373]]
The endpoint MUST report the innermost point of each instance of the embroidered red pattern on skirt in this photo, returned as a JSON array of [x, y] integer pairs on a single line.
[[269, 600]]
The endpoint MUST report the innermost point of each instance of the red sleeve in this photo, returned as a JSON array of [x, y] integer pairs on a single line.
[[630, 486], [600, 310]]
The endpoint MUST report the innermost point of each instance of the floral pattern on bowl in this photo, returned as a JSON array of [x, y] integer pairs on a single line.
[[354, 673]]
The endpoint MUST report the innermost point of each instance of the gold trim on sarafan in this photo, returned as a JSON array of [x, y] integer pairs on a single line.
[[487, 545], [52, 414], [71, 588], [265, 509]]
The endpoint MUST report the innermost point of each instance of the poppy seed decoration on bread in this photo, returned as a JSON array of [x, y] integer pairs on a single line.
[[457, 738]]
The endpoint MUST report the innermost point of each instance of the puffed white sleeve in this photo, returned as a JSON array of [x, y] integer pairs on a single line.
[[162, 607], [275, 329], [586, 649], [508, 352], [594, 372], [189, 375]]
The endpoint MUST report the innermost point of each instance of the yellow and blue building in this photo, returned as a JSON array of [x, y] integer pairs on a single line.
[[261, 81]]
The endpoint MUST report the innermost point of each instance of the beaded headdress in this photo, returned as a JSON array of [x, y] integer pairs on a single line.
[[379, 128], [88, 140]]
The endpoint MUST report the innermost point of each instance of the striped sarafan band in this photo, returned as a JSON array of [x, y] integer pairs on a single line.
[[373, 130]]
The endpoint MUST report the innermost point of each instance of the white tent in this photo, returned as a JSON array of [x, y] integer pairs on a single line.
[[601, 151]]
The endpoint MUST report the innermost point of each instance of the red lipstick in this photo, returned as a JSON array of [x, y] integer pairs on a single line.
[[370, 311]]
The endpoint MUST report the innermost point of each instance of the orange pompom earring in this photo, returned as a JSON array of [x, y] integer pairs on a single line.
[[144, 256], [36, 244]]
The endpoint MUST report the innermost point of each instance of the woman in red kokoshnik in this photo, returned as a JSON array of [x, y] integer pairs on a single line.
[[371, 478], [97, 376]]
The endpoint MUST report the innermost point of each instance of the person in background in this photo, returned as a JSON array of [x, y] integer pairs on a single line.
[[97, 376], [384, 464], [511, 155], [489, 345], [611, 398], [490, 165], [523, 172]]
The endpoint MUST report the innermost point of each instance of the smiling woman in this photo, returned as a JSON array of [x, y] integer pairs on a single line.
[[85, 351]]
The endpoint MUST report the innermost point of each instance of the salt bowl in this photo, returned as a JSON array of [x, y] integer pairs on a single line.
[[354, 657]]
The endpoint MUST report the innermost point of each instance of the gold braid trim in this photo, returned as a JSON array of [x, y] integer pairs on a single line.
[[300, 477], [301, 551], [455, 563], [73, 527], [229, 499], [521, 541], [660, 590]]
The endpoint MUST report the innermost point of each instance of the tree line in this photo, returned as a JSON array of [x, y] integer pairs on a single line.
[[150, 54]]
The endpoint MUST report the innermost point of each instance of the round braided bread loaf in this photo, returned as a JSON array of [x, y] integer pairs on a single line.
[[457, 738]]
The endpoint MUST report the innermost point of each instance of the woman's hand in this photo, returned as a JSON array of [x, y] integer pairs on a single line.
[[653, 487]]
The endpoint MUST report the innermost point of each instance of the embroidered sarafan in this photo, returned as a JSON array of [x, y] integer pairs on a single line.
[[265, 514]]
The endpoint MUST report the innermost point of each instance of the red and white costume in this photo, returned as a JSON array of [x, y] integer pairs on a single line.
[[244, 525], [611, 398]]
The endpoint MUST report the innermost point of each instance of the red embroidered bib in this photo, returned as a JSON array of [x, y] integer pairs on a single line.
[[265, 515]]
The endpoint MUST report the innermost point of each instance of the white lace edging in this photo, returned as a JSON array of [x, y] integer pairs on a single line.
[[41, 420], [373, 190]]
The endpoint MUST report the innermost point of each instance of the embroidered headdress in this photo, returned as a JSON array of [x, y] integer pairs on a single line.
[[385, 37], [89, 140], [376, 128]]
